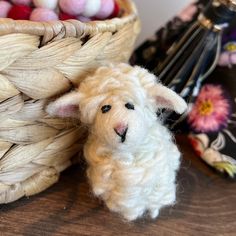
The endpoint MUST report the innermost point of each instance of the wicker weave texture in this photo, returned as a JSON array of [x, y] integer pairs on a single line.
[[39, 61]]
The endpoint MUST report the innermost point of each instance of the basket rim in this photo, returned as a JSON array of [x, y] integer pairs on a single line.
[[69, 28]]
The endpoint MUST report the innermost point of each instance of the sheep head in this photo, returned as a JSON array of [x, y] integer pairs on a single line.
[[119, 103]]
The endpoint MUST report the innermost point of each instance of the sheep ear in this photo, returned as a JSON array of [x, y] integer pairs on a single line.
[[65, 106], [167, 98]]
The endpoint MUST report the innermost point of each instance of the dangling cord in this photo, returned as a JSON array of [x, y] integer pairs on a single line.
[[214, 64]]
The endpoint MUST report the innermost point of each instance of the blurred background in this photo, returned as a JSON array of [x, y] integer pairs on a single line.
[[155, 13]]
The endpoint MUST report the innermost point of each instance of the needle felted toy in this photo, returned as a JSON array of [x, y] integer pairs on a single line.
[[132, 157]]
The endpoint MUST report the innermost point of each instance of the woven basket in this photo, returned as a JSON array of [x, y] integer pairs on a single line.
[[37, 62]]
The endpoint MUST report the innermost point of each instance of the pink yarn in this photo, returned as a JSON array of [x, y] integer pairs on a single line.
[[21, 2], [107, 7], [43, 14], [4, 8], [83, 19], [72, 7]]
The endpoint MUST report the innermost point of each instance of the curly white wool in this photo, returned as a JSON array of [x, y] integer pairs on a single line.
[[131, 183], [136, 174]]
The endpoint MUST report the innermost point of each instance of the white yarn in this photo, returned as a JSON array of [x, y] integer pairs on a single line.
[[138, 175], [92, 7], [50, 4]]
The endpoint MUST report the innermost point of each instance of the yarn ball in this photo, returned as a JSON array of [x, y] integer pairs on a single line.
[[22, 2], [50, 4], [116, 11], [107, 8], [72, 7], [4, 8], [20, 12], [43, 14], [92, 7], [65, 16], [84, 19]]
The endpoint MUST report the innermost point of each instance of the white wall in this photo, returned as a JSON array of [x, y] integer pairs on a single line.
[[155, 13]]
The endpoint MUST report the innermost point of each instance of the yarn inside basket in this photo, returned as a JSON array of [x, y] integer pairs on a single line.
[[44, 10]]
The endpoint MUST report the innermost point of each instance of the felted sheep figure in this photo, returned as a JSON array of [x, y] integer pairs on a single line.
[[132, 157]]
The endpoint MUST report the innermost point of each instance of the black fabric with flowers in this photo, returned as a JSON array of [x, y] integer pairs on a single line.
[[212, 120]]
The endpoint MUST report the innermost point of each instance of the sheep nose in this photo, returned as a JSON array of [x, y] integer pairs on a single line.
[[121, 130]]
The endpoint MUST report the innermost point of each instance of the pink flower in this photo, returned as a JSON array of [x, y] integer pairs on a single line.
[[228, 56], [187, 13], [210, 111], [227, 59]]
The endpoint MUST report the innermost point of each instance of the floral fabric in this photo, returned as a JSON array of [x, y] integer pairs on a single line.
[[212, 118], [212, 121]]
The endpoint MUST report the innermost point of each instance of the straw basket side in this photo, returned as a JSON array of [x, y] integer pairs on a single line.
[[39, 61]]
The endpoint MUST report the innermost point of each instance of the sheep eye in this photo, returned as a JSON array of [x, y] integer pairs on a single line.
[[129, 106], [106, 108]]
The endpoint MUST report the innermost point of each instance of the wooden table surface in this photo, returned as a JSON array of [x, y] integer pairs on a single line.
[[206, 206]]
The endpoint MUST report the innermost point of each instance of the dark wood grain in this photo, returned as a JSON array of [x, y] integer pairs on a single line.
[[206, 206]]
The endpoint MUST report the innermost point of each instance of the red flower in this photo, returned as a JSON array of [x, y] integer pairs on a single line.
[[196, 146]]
